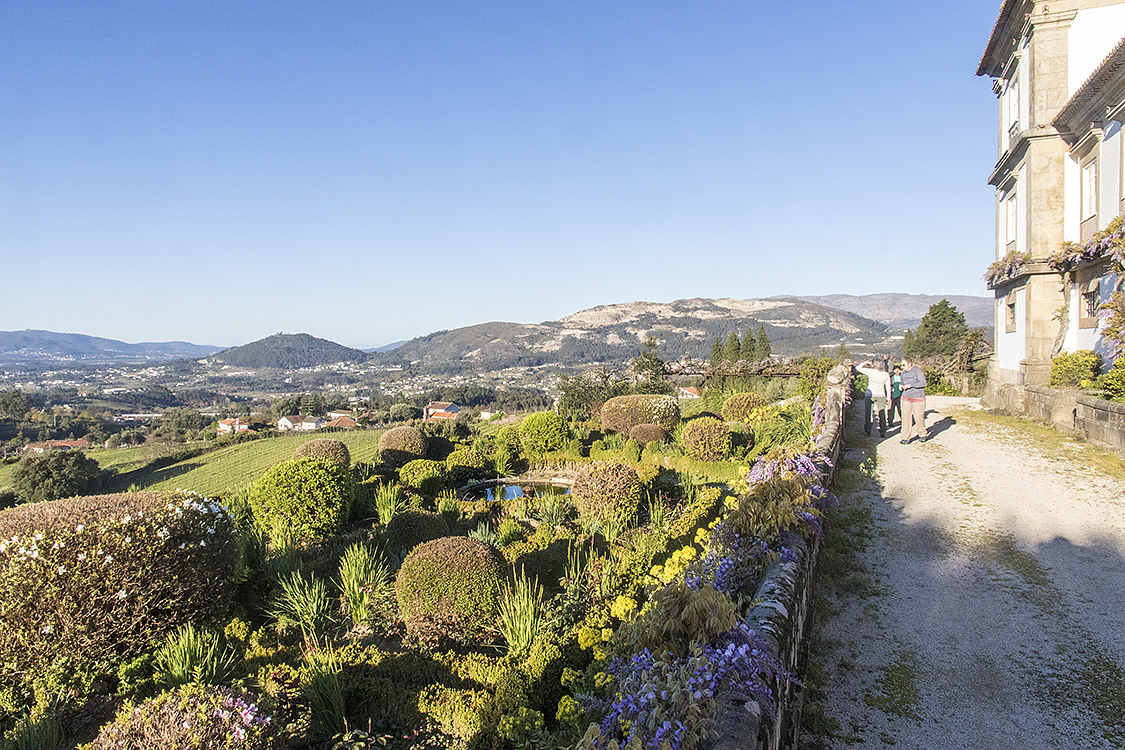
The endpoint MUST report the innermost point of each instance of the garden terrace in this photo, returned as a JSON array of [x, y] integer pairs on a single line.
[[574, 613]]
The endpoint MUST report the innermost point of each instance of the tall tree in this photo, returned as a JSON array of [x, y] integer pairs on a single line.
[[762, 349], [647, 370], [733, 350], [939, 333], [717, 353], [53, 475], [749, 350]]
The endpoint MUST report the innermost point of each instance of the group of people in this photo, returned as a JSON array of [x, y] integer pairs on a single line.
[[903, 390]]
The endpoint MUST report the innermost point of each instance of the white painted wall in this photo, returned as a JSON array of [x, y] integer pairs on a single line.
[[1109, 175], [1098, 344], [1093, 33], [1072, 199], [1021, 210], [1011, 347]]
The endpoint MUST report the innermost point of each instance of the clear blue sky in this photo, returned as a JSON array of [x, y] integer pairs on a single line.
[[374, 171]]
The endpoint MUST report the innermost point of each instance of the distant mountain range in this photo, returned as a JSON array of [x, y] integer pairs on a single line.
[[902, 311], [608, 333], [33, 347]]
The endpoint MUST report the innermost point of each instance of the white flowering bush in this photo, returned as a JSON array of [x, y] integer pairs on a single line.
[[89, 581]]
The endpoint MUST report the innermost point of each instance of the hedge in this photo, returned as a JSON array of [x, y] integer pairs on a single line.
[[542, 432], [623, 413], [309, 498], [326, 448]]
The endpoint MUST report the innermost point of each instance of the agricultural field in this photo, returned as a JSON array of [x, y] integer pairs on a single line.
[[240, 464]]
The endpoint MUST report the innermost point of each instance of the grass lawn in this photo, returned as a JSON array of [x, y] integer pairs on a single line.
[[238, 465]]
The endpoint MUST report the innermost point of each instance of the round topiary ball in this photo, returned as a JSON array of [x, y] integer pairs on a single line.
[[326, 448], [451, 585], [192, 716], [543, 431], [464, 464], [648, 433], [623, 413], [740, 406], [87, 582], [400, 445], [424, 475], [307, 497], [607, 491], [706, 438], [410, 528]]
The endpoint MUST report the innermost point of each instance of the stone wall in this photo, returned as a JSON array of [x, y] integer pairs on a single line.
[[783, 609], [1096, 419]]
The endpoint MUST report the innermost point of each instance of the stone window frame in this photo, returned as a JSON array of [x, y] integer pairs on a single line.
[[1089, 294], [1010, 317]]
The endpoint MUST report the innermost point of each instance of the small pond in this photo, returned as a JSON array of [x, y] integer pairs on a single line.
[[509, 491]]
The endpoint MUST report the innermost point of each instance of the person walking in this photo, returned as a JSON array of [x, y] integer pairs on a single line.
[[877, 395], [913, 402], [896, 397]]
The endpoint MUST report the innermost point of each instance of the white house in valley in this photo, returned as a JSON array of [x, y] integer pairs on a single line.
[[1058, 71]]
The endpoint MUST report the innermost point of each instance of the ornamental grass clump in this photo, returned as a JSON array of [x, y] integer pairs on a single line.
[[326, 448], [605, 490], [451, 585], [304, 603], [363, 579], [389, 501], [623, 413], [90, 581], [193, 716], [706, 438], [307, 499], [401, 445], [192, 655], [521, 612]]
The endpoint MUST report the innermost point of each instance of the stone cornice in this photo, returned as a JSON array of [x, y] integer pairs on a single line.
[[1017, 151], [989, 66], [1036, 268]]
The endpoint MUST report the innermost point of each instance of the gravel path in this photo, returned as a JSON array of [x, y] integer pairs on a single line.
[[996, 615]]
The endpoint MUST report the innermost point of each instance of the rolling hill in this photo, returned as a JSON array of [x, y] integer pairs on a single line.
[[34, 347], [288, 351], [902, 311]]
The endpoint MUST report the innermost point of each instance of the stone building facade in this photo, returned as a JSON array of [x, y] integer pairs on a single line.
[[1058, 71]]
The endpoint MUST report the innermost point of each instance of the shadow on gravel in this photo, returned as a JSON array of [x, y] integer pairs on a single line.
[[932, 637]]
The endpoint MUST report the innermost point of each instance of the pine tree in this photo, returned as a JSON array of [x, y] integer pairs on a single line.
[[940, 332], [749, 350], [762, 349], [908, 344], [717, 352], [733, 350]]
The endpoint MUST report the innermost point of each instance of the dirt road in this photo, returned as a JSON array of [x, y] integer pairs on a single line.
[[991, 606]]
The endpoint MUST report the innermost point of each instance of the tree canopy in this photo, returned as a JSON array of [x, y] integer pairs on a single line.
[[54, 475], [939, 334]]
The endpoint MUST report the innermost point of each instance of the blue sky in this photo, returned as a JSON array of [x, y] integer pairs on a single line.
[[373, 171]]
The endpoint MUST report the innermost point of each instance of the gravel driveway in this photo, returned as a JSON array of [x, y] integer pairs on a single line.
[[995, 614]]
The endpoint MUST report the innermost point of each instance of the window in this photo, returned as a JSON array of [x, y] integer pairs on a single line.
[[1090, 289], [1014, 107], [1091, 300], [1010, 314], [1089, 190]]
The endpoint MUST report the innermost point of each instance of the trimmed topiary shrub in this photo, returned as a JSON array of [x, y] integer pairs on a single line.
[[193, 716], [706, 438], [308, 498], [623, 413], [399, 445], [326, 448], [740, 406], [91, 581], [465, 464], [543, 431], [452, 582], [648, 433], [424, 475], [508, 436], [607, 491], [410, 528]]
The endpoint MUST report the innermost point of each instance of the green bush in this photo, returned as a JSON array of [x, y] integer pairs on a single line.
[[508, 437], [326, 448], [410, 528], [1075, 370], [631, 451], [54, 475], [399, 445], [740, 406], [677, 616], [607, 491], [91, 581], [453, 583], [465, 464], [1114, 380], [706, 438], [306, 498], [648, 433], [542, 432], [194, 716], [623, 413], [424, 475]]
